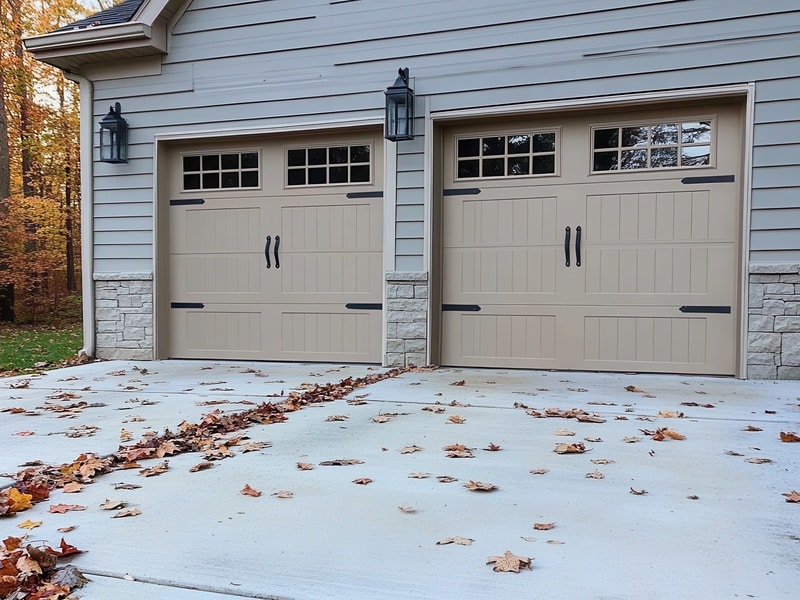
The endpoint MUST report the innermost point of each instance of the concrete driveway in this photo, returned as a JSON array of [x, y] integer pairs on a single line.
[[713, 524]]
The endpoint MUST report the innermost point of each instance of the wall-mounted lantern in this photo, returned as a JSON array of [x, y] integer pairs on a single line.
[[114, 136], [400, 109]]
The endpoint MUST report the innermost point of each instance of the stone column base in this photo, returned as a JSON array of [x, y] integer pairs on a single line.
[[773, 339], [406, 319], [124, 316]]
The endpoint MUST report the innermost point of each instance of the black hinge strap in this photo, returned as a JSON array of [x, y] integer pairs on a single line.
[[724, 310]]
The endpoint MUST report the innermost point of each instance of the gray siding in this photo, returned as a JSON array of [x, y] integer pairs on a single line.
[[240, 64]]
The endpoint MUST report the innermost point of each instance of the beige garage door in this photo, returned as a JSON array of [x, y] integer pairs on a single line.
[[598, 242], [275, 249]]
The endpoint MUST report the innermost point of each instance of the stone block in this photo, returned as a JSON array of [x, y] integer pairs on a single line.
[[765, 278], [107, 314], [394, 359], [774, 268], [779, 288], [141, 287], [105, 292], [792, 308], [391, 291], [138, 319], [420, 291], [790, 279], [790, 354], [787, 324], [764, 342], [125, 353], [106, 303], [395, 346], [761, 358], [417, 360], [133, 333], [411, 331], [761, 372], [403, 276], [398, 316], [756, 295], [773, 307], [792, 373], [106, 326], [407, 304], [418, 346], [761, 323], [106, 340], [391, 330]]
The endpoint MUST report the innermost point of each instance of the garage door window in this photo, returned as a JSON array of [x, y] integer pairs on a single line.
[[514, 155], [234, 170], [652, 146], [328, 166]]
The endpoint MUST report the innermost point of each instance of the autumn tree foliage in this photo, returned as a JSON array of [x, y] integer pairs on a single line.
[[39, 165]]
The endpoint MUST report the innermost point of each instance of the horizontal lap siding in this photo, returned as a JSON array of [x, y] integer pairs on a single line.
[[246, 64]]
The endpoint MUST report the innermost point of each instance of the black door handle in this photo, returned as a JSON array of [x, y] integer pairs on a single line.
[[578, 246], [566, 243], [277, 245], [266, 250]]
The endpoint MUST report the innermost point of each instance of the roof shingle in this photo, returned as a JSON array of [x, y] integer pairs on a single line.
[[121, 13]]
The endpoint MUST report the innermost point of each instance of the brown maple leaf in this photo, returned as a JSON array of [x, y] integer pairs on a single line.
[[510, 563], [752, 428], [446, 479], [62, 508], [160, 468], [789, 436], [492, 447], [362, 481], [411, 449], [418, 475], [638, 492], [113, 504], [201, 466], [337, 418], [544, 526], [456, 419], [539, 471], [479, 486], [793, 496], [634, 389], [73, 487], [461, 541], [341, 462], [459, 383], [248, 491], [131, 512], [573, 448], [283, 494], [595, 475]]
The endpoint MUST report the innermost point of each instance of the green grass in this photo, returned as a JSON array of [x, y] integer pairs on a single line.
[[23, 346]]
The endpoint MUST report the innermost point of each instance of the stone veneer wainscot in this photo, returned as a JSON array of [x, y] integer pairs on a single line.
[[406, 318], [124, 316]]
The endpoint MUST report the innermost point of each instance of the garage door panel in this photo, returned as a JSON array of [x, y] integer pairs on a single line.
[[218, 331], [318, 333], [217, 277], [331, 277]]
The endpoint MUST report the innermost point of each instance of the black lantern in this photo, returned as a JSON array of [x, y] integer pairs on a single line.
[[400, 109], [114, 136]]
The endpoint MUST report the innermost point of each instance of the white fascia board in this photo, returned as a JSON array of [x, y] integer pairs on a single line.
[[69, 41]]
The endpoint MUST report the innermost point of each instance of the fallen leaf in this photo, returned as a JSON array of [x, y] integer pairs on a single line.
[[478, 486], [789, 436], [510, 563], [602, 461], [693, 497], [248, 491], [419, 475], [411, 449], [332, 418], [381, 419], [458, 383], [446, 479], [406, 509], [577, 389], [283, 494], [68, 577], [757, 460], [669, 414], [304, 466], [733, 453], [633, 388], [125, 436], [72, 487], [595, 440], [126, 486], [24, 433], [492, 447], [621, 418], [157, 470], [563, 432], [17, 501], [62, 508], [595, 475], [67, 529], [631, 439], [113, 504], [573, 448], [671, 433], [434, 409], [793, 496], [201, 466], [456, 419], [362, 481], [528, 538], [461, 541], [341, 462], [28, 524], [544, 526], [540, 471], [638, 492], [131, 512], [752, 428]]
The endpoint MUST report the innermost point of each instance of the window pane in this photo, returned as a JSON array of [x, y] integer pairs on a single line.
[[519, 165], [696, 132], [519, 144], [471, 147], [211, 162], [337, 155], [297, 177], [468, 168], [230, 161], [493, 167], [544, 142], [210, 180], [693, 156], [359, 174], [191, 182], [250, 160], [634, 159], [317, 156], [543, 165], [606, 138], [664, 157], [359, 154], [317, 175], [664, 133], [337, 175], [605, 161], [493, 146], [191, 163], [634, 136], [249, 179], [296, 158], [230, 179]]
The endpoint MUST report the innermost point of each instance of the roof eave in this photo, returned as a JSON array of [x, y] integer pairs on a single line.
[[70, 49]]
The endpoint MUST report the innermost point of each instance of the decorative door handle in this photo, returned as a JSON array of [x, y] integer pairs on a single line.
[[578, 246], [277, 245], [266, 250], [566, 243]]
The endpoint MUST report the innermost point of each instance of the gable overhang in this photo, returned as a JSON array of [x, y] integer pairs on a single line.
[[71, 50]]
